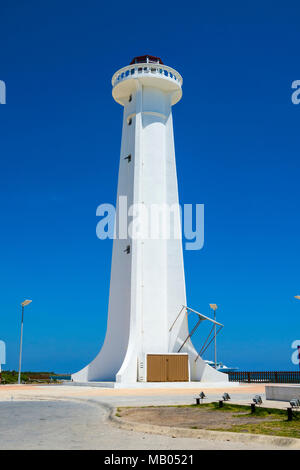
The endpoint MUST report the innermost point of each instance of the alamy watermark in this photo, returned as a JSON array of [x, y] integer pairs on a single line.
[[2, 353], [152, 222], [296, 94], [2, 92], [296, 354]]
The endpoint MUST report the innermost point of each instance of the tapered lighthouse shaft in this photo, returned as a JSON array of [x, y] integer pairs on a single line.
[[147, 285]]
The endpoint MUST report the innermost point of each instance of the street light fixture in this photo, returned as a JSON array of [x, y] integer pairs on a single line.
[[297, 297], [23, 304], [214, 308]]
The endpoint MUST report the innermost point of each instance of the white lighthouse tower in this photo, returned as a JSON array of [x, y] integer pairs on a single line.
[[147, 338]]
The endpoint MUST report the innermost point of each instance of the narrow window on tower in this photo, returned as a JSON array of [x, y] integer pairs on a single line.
[[130, 98], [128, 158], [127, 249], [129, 122]]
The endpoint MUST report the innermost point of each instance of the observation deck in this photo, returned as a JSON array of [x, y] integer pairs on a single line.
[[148, 70]]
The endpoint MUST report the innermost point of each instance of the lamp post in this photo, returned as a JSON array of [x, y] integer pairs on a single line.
[[297, 297], [214, 308], [23, 304]]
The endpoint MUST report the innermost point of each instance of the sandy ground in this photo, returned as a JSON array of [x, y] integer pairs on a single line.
[[63, 391], [133, 397], [66, 417]]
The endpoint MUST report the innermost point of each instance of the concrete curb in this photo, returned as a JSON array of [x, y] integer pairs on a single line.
[[282, 442]]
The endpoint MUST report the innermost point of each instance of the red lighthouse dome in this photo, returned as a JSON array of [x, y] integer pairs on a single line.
[[145, 59]]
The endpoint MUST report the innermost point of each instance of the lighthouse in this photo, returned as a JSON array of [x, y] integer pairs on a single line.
[[147, 338]]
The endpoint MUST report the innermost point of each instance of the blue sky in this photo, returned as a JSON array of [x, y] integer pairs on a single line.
[[237, 150]]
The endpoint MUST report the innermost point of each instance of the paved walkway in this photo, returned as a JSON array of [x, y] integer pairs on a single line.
[[135, 397], [66, 417]]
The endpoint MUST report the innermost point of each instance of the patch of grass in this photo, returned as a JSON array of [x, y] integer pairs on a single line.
[[214, 406], [281, 428], [260, 412], [11, 376], [273, 421]]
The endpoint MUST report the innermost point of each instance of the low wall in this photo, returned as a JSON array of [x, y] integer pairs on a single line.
[[282, 392]]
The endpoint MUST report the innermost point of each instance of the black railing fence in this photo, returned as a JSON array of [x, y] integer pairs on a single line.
[[281, 377]]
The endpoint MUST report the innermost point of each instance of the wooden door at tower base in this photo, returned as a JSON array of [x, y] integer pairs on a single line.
[[167, 368]]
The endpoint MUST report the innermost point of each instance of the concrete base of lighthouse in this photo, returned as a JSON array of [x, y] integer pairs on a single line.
[[137, 374], [156, 385]]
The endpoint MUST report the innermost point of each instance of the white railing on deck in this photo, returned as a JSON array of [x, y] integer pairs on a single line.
[[135, 69]]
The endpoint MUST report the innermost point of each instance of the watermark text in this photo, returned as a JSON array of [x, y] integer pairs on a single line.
[[152, 222], [2, 92]]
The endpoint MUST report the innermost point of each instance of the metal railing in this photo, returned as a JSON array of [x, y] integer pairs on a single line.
[[131, 71], [283, 377]]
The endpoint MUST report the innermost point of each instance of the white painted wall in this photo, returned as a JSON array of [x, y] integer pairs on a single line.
[[147, 288]]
